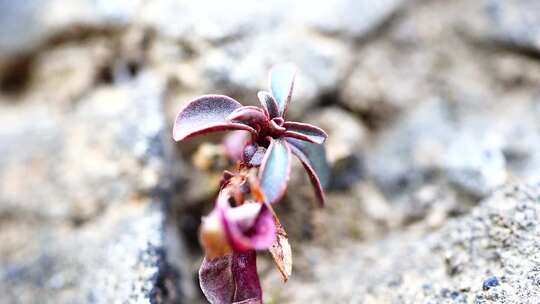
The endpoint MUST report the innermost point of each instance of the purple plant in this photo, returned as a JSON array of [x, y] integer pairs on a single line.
[[243, 219]]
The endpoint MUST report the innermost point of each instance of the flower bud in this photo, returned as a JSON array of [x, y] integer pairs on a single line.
[[212, 237]]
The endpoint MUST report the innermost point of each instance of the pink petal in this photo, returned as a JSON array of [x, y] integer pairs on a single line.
[[281, 85], [235, 142], [305, 132], [275, 170], [231, 279], [248, 226], [313, 158], [269, 103], [206, 114]]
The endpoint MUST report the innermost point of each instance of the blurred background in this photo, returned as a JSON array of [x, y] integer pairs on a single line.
[[433, 113]]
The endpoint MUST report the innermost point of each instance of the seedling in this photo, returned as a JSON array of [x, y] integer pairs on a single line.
[[243, 219]]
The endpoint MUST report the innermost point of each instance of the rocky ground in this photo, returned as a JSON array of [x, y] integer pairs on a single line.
[[433, 112]]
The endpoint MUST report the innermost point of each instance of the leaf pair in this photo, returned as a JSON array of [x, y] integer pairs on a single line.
[[209, 113]]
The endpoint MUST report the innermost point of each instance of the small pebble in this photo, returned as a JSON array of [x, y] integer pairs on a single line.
[[490, 282]]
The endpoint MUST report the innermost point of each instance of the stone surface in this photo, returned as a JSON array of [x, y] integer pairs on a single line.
[[404, 155], [516, 24], [96, 156], [475, 164], [349, 18], [29, 24], [87, 188], [119, 257], [235, 44], [499, 238]]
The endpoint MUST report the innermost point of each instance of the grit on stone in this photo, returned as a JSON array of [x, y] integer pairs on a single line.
[[500, 238]]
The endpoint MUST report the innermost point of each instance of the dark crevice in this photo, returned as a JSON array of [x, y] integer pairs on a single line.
[[375, 118], [188, 223], [105, 75], [79, 34], [16, 75], [504, 46], [346, 173], [118, 70], [167, 288], [329, 98], [379, 117], [498, 45], [382, 29]]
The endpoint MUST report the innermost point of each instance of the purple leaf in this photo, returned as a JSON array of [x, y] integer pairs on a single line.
[[269, 103], [305, 132], [231, 279], [281, 251], [281, 85], [248, 287], [206, 114], [275, 170], [216, 279], [313, 158], [249, 115], [249, 301]]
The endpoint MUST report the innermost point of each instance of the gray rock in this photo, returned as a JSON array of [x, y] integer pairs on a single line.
[[235, 44], [346, 134], [475, 164], [386, 81], [350, 18], [403, 156], [347, 138], [515, 23], [121, 256], [83, 195], [207, 21], [19, 25], [26, 25], [94, 157], [322, 64], [499, 238], [477, 151]]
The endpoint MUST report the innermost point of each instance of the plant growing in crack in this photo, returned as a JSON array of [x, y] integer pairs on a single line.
[[243, 220]]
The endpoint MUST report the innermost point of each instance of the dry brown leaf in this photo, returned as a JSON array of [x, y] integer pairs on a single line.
[[281, 251]]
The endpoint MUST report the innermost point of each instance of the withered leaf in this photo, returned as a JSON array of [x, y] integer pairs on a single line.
[[281, 251]]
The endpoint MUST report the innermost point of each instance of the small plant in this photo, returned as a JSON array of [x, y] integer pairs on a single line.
[[243, 219]]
